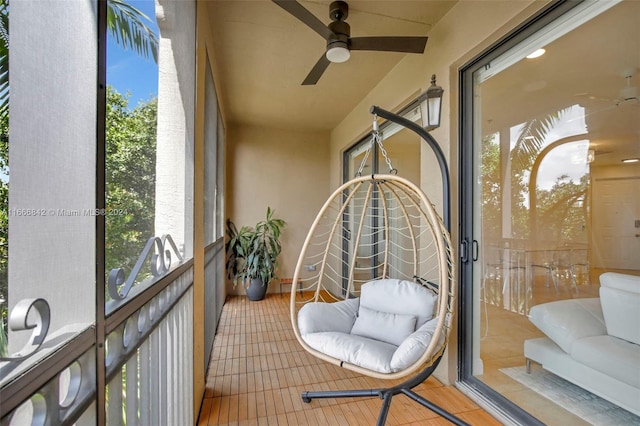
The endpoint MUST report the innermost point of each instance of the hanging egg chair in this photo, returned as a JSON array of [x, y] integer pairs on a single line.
[[374, 286]]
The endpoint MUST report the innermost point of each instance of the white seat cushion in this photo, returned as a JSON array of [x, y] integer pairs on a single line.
[[391, 325], [412, 348], [614, 357], [362, 351], [620, 298], [383, 326], [565, 321]]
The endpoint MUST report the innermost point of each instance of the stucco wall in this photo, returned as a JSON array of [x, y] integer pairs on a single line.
[[285, 170], [175, 134]]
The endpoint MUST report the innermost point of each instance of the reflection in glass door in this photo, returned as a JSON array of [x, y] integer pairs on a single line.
[[548, 138]]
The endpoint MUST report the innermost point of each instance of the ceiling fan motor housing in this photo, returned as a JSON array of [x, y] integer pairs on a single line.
[[338, 10], [338, 42], [341, 32]]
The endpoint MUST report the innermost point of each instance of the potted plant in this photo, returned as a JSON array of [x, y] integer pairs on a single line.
[[252, 254]]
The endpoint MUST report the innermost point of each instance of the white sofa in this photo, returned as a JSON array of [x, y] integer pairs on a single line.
[[594, 343]]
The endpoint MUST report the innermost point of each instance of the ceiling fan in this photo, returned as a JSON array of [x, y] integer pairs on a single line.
[[628, 94], [339, 40]]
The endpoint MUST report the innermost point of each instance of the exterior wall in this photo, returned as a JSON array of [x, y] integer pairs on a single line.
[[465, 31], [179, 154], [174, 163], [282, 169]]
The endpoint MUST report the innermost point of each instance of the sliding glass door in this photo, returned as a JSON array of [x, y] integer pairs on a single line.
[[552, 114]]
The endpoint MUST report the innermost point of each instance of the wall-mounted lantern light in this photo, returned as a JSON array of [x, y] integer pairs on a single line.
[[431, 105]]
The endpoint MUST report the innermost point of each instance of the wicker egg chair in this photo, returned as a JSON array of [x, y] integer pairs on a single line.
[[374, 287]]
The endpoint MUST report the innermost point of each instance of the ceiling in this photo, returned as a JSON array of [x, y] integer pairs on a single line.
[[262, 55]]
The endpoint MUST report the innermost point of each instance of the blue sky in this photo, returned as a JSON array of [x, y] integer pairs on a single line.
[[126, 70]]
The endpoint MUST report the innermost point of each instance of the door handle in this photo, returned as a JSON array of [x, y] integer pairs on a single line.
[[464, 251]]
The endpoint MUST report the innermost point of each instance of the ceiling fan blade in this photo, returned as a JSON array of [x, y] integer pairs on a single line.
[[317, 71], [389, 44], [307, 18]]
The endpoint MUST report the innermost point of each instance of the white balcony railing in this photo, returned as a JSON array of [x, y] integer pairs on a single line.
[[150, 378], [148, 363]]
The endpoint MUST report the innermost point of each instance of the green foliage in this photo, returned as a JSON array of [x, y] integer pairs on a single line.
[[528, 146], [130, 178], [491, 195], [253, 252], [531, 141], [563, 210], [3, 340]]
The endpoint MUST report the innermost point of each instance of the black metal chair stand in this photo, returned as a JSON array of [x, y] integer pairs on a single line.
[[387, 393]]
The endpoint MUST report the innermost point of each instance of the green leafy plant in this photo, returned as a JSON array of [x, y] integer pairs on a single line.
[[4, 344], [252, 253], [130, 178]]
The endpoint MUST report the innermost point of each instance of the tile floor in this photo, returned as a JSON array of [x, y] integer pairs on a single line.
[[258, 371]]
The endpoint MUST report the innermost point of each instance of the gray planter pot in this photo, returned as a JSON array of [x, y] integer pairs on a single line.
[[255, 289]]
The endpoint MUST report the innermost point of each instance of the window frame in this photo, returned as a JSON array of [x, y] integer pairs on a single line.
[[469, 383]]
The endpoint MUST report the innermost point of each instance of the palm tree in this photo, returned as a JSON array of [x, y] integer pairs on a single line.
[[531, 139], [125, 23], [127, 26], [528, 146]]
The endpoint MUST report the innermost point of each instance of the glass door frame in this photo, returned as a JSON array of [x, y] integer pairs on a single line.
[[468, 265]]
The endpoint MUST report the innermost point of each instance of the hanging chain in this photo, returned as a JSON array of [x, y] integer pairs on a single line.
[[376, 139], [392, 170], [364, 160]]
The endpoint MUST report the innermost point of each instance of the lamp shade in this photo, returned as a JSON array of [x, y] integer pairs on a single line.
[[431, 105], [338, 52]]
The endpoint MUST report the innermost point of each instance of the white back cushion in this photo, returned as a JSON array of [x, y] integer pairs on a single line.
[[318, 317], [399, 297], [565, 321], [620, 298], [383, 326]]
